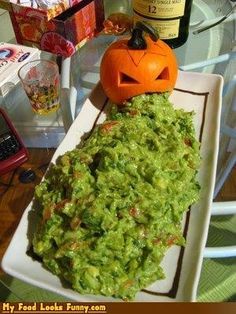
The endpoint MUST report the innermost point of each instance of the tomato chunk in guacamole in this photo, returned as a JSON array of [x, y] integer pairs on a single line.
[[111, 208]]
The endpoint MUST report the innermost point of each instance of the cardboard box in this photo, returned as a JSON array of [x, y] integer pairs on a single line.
[[49, 13], [12, 58], [62, 29]]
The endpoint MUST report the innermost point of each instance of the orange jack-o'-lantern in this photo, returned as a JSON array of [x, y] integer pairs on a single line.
[[138, 65]]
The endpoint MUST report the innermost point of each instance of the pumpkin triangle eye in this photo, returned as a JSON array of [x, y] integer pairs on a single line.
[[126, 79], [164, 75]]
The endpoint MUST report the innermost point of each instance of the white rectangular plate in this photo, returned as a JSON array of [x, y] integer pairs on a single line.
[[194, 92]]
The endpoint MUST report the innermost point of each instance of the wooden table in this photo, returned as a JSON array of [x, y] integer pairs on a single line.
[[15, 198]]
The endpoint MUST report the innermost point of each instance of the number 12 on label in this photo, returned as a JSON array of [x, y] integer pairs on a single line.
[[152, 9]]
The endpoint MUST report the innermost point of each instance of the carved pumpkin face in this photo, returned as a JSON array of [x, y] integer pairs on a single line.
[[126, 72]]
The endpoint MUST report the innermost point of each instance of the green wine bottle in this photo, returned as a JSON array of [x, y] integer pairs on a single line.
[[170, 17]]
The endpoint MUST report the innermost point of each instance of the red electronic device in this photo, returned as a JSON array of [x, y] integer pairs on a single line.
[[12, 150]]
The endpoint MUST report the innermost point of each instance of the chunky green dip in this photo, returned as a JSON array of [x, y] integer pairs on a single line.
[[111, 208]]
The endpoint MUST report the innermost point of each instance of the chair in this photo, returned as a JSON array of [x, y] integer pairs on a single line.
[[227, 153]]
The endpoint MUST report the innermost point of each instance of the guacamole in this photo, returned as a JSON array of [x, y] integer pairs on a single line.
[[112, 207]]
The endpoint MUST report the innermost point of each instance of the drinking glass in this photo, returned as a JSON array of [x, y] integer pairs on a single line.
[[40, 79]]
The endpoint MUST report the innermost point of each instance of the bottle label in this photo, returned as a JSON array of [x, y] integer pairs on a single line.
[[166, 29], [159, 8]]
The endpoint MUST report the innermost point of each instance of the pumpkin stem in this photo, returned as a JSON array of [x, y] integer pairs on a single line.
[[137, 41]]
